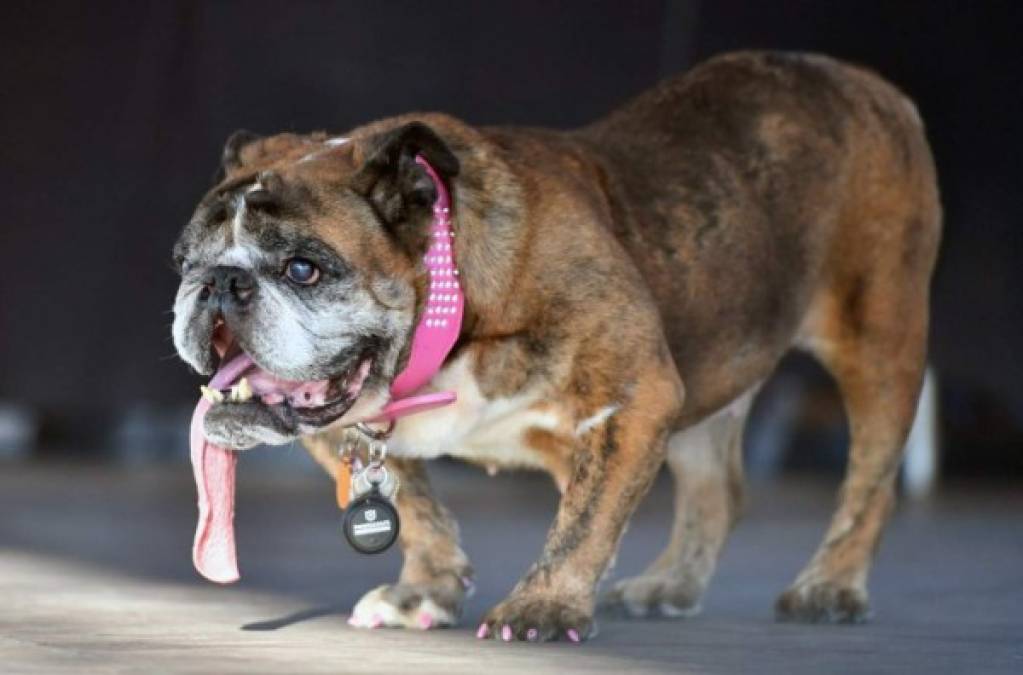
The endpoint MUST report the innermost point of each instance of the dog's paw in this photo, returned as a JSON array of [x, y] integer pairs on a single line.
[[663, 595], [537, 619], [823, 602], [418, 606]]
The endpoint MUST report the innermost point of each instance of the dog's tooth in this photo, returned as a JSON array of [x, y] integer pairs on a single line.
[[211, 395], [239, 393]]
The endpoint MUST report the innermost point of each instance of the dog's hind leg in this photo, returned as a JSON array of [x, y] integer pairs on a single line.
[[706, 462], [869, 329], [436, 577], [868, 326], [879, 386]]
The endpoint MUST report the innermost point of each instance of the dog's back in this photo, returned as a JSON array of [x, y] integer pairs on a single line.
[[757, 191]]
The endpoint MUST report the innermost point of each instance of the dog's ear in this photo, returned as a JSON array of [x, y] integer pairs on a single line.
[[391, 179], [231, 158]]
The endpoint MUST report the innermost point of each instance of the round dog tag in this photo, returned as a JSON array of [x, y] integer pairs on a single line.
[[371, 523]]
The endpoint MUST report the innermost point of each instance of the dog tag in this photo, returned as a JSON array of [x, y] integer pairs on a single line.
[[371, 523]]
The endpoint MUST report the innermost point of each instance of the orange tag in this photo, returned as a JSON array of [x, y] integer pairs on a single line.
[[344, 484]]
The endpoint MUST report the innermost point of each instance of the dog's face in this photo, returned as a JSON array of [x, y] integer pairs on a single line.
[[305, 258]]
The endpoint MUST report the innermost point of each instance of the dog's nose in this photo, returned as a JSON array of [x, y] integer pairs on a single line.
[[226, 285]]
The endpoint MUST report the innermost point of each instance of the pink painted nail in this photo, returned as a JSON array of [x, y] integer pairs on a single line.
[[532, 634], [506, 633], [425, 620], [483, 631], [572, 634]]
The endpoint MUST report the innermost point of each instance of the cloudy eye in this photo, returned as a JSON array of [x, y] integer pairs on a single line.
[[301, 271]]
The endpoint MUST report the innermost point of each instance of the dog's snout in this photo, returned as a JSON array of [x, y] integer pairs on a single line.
[[227, 285]]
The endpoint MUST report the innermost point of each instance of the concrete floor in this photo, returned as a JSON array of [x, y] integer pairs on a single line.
[[95, 576]]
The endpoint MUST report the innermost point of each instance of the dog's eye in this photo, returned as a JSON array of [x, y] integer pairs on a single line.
[[301, 271]]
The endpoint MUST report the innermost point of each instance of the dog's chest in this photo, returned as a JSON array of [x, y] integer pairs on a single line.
[[491, 431]]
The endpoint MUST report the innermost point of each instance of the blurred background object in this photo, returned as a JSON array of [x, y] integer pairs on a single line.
[[115, 115], [19, 430]]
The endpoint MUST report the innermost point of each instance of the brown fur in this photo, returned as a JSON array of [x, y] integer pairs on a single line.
[[663, 260]]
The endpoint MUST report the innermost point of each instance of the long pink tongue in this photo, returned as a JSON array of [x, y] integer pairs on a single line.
[[213, 551]]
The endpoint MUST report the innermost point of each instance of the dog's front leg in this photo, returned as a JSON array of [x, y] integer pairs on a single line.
[[436, 577], [613, 465]]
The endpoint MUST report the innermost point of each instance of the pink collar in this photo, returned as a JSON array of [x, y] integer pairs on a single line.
[[441, 322]]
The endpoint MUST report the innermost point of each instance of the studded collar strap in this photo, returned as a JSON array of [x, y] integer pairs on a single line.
[[441, 321]]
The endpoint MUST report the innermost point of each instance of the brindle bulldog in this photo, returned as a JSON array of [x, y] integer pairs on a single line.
[[628, 287]]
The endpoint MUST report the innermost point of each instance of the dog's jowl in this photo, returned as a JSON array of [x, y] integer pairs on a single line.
[[628, 287]]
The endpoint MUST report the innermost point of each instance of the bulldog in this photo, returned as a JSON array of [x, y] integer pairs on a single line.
[[628, 286]]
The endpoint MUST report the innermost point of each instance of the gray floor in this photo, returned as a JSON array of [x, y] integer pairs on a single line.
[[95, 576]]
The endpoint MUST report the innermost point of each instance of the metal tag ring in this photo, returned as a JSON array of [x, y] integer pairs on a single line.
[[376, 453], [375, 434]]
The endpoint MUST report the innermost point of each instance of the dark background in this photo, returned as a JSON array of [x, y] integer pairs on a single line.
[[114, 115]]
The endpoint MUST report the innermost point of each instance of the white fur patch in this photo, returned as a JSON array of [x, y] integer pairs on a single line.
[[330, 143], [698, 448], [184, 306], [243, 251], [596, 419], [374, 611], [238, 223], [474, 427], [240, 255]]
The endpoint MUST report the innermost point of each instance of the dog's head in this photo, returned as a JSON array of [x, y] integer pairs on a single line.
[[301, 267]]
